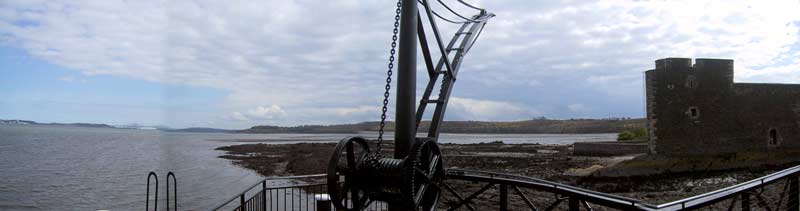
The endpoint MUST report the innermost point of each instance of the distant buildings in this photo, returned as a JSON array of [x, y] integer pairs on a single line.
[[698, 109], [16, 122]]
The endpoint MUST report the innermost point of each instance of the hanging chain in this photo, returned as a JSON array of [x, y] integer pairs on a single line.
[[378, 153]]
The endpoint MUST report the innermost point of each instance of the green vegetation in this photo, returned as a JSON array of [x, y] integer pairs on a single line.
[[639, 133]]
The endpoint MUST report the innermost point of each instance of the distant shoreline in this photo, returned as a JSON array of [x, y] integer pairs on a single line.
[[535, 126]]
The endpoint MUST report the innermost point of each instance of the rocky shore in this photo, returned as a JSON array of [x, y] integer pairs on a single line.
[[550, 162]]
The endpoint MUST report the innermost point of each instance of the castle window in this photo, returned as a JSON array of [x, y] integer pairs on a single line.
[[691, 82], [773, 137], [693, 113]]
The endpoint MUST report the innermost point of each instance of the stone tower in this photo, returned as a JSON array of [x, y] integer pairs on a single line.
[[698, 109]]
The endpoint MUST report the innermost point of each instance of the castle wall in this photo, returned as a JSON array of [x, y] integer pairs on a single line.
[[698, 109]]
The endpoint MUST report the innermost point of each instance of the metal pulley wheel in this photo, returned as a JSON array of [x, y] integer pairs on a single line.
[[411, 182], [345, 161]]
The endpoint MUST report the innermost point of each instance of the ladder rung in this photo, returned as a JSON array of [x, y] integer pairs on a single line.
[[464, 33], [457, 49], [440, 72], [434, 101]]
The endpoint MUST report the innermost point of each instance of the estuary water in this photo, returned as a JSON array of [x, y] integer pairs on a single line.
[[74, 168]]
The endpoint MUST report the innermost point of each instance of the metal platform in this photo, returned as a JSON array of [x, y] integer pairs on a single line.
[[479, 190]]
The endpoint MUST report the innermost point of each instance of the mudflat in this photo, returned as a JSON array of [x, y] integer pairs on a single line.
[[551, 162]]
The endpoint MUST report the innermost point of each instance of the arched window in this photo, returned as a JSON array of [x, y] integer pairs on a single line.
[[773, 137]]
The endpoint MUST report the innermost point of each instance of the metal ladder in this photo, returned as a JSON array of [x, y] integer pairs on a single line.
[[155, 191], [466, 34]]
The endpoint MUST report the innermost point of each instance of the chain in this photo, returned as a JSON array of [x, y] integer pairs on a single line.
[[378, 153]]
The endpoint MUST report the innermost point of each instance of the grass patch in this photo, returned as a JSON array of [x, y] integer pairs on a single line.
[[633, 134]]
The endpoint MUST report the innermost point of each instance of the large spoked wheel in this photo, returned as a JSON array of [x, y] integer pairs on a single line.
[[346, 162], [426, 174]]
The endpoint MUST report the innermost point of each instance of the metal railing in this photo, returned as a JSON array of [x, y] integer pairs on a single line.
[[284, 198], [462, 181], [480, 190], [777, 191]]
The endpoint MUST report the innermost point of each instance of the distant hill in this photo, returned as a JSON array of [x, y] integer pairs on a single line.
[[28, 122], [80, 125], [201, 130], [529, 126]]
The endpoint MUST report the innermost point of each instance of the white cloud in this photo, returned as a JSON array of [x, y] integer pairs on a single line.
[[67, 79], [578, 108], [326, 65], [360, 110], [238, 116], [487, 110], [262, 112]]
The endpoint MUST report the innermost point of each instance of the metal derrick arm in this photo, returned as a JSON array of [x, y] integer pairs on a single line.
[[464, 38]]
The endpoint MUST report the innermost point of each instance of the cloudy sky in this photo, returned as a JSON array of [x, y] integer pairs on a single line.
[[234, 64]]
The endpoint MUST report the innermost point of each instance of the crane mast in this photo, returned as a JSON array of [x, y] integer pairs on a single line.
[[359, 175]]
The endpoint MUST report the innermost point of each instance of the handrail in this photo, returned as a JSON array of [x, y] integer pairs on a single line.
[[147, 200], [729, 191], [610, 200], [614, 200], [174, 191], [263, 182], [549, 183]]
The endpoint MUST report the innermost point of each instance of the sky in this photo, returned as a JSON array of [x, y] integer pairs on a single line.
[[239, 63]]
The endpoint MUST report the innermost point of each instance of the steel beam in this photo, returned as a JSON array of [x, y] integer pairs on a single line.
[[503, 197], [405, 118]]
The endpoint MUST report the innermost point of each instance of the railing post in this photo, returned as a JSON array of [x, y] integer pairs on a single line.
[[574, 204], [323, 202], [241, 203], [503, 197], [794, 193], [745, 202], [264, 194]]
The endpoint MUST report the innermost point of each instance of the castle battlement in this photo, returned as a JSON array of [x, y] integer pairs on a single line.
[[698, 109]]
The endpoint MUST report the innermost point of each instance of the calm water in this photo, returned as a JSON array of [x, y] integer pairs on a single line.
[[70, 168]]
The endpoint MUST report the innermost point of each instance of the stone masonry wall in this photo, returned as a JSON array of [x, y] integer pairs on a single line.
[[698, 109]]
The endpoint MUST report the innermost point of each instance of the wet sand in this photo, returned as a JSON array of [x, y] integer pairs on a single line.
[[550, 162]]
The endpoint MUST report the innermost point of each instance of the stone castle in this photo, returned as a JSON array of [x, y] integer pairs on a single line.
[[695, 109]]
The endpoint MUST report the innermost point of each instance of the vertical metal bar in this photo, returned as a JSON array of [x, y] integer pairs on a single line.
[[291, 200], [264, 194], [745, 202], [794, 193], [574, 204], [167, 192], [503, 197], [406, 80], [241, 203], [284, 198]]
